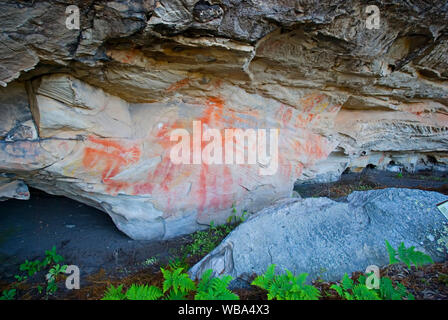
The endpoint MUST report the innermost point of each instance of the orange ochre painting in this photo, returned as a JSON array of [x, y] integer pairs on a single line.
[[182, 187]]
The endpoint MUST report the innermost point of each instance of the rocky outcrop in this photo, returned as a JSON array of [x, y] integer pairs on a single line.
[[326, 238], [88, 113], [13, 190]]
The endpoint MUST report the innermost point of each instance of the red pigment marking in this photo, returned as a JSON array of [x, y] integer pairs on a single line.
[[303, 121], [214, 189], [111, 158], [299, 170], [160, 180], [212, 185], [311, 101], [334, 108], [217, 84], [143, 188], [202, 190], [178, 85], [129, 56], [313, 148]]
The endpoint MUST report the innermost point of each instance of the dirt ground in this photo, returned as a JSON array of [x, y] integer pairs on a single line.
[[374, 179], [87, 238]]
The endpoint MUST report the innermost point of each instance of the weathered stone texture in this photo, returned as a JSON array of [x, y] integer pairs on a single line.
[[87, 113], [326, 239]]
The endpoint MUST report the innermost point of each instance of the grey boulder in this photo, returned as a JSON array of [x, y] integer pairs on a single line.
[[327, 238], [15, 189]]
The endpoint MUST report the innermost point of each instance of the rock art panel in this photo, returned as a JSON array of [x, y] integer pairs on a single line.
[[135, 159], [90, 113]]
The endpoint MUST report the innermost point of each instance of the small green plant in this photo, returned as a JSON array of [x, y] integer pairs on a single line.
[[286, 286], [408, 256], [150, 261], [55, 271], [389, 292], [399, 175], [52, 277], [234, 218], [351, 291], [51, 287], [8, 294], [39, 289], [143, 292], [362, 187], [52, 257], [443, 278], [214, 288], [177, 284], [51, 260], [20, 278], [205, 241], [30, 267], [178, 262], [114, 293]]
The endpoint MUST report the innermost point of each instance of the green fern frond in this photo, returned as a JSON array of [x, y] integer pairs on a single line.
[[176, 296], [286, 286], [408, 256], [392, 253], [177, 281], [143, 292], [264, 281], [347, 283], [389, 292], [214, 288], [113, 293], [361, 292]]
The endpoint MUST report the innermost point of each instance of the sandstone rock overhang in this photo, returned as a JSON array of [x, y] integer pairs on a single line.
[[88, 113]]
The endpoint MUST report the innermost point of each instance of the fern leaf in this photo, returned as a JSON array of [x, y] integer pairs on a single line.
[[419, 258], [178, 282], [143, 292], [113, 293], [392, 253], [337, 288], [214, 288], [176, 296], [403, 254], [347, 283], [386, 289], [410, 256], [361, 292]]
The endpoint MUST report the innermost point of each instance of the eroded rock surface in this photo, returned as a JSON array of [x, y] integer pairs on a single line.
[[88, 113], [13, 190], [326, 238]]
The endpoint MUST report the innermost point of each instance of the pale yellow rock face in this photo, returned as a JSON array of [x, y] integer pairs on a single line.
[[93, 120]]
